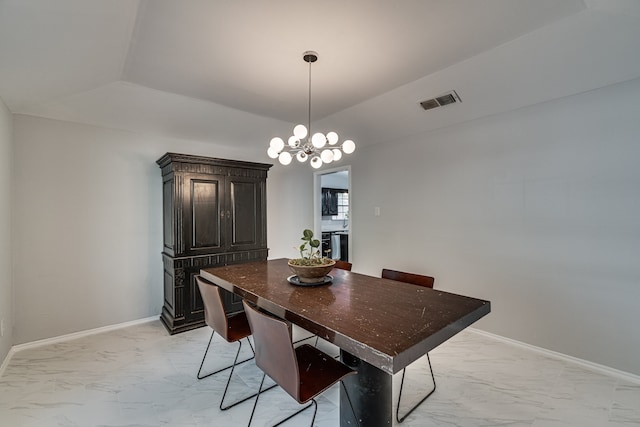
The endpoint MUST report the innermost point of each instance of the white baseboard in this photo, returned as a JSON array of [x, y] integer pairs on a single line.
[[581, 362], [6, 360], [69, 337], [627, 376]]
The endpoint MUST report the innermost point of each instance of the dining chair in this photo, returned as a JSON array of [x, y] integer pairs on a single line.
[[232, 328], [303, 372], [420, 280], [343, 265]]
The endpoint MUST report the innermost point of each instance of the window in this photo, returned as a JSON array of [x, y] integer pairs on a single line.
[[343, 206]]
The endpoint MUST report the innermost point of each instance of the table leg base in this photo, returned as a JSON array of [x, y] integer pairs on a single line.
[[370, 393]]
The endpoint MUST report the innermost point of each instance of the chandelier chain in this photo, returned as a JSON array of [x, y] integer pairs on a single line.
[[309, 109]]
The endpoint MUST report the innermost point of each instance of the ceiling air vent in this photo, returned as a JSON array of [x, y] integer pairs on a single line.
[[440, 101]]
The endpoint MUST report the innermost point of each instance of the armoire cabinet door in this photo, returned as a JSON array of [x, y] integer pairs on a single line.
[[246, 216], [204, 215], [193, 305]]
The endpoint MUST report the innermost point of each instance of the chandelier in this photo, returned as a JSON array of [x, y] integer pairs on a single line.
[[320, 148]]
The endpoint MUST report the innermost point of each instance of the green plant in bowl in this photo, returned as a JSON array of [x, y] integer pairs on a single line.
[[311, 267]]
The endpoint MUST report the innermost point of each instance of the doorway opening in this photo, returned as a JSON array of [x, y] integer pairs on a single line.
[[332, 212]]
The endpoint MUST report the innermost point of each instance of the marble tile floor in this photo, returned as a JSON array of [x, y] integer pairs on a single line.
[[141, 376]]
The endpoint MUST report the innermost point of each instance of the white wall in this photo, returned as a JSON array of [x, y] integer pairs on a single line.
[[289, 207], [88, 223], [6, 297], [537, 210], [335, 180]]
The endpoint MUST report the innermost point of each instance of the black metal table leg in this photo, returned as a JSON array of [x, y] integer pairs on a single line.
[[370, 392]]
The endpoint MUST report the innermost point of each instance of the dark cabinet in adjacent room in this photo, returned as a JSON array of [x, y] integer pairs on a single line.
[[330, 200], [214, 214]]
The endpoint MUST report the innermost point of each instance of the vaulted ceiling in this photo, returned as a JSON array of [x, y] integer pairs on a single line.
[[232, 71]]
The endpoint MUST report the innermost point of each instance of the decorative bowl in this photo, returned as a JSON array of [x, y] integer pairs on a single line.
[[311, 273]]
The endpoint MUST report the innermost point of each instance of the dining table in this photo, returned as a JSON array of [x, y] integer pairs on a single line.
[[380, 325]]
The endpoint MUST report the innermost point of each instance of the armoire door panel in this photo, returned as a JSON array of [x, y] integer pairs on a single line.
[[205, 219], [168, 216], [205, 208], [247, 217], [244, 212], [232, 302], [169, 296], [196, 306]]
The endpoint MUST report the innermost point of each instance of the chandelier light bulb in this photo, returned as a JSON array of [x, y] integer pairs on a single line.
[[337, 154], [294, 141], [327, 156], [332, 138], [302, 156], [285, 158], [348, 146], [300, 131], [318, 140], [272, 153], [277, 144], [316, 162]]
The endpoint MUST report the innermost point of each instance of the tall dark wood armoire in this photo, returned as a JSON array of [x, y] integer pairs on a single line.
[[214, 214]]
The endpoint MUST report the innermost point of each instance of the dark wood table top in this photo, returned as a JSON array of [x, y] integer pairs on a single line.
[[386, 323]]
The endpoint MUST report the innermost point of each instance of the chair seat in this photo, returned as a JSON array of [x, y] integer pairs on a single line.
[[318, 371], [237, 327]]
